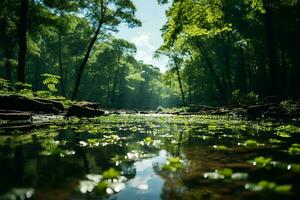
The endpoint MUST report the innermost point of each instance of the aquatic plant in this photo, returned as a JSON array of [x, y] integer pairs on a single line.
[[294, 149], [268, 186], [173, 164], [261, 161], [108, 183], [225, 173]]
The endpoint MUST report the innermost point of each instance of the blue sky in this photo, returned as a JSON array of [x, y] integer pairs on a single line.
[[148, 37]]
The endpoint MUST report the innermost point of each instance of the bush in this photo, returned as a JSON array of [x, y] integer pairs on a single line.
[[289, 106], [160, 109], [239, 98]]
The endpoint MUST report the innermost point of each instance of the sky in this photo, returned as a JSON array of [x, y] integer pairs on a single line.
[[147, 38]]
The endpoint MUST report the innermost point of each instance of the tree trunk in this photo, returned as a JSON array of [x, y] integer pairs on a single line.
[[121, 87], [85, 60], [227, 65], [107, 89], [22, 31], [241, 77], [284, 71], [60, 62], [36, 75], [7, 65], [88, 52], [271, 51], [212, 71], [113, 96], [7, 48], [190, 89], [179, 81]]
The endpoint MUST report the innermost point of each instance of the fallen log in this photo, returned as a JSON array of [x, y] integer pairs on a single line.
[[59, 106], [20, 103], [15, 116], [257, 110]]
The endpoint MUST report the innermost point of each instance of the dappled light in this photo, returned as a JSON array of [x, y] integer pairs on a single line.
[[149, 99]]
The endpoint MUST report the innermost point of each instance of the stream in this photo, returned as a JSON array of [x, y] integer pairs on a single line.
[[152, 157]]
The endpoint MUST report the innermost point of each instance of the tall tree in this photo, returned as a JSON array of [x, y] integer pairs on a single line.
[[8, 39], [22, 31], [177, 67], [108, 13]]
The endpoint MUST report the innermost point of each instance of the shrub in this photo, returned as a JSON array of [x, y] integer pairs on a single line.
[[240, 98]]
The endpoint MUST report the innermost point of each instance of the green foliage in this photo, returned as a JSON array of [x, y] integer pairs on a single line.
[[287, 130], [173, 164], [294, 149], [268, 186], [261, 161], [220, 147], [251, 143], [111, 174], [205, 21], [160, 109], [148, 140], [50, 81], [225, 57], [225, 173], [4, 85], [18, 193], [239, 98], [108, 183], [122, 138], [289, 106]]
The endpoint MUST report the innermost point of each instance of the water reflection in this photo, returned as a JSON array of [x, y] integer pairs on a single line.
[[146, 184], [137, 148]]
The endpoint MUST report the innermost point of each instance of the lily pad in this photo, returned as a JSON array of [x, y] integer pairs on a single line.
[[268, 186], [173, 164]]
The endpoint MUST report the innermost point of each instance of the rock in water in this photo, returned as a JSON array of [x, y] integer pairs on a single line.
[[85, 109]]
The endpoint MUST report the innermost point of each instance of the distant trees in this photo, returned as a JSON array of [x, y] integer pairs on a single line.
[[216, 48], [107, 13], [175, 63], [116, 79]]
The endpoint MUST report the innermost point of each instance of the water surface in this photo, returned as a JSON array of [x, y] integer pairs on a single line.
[[152, 157]]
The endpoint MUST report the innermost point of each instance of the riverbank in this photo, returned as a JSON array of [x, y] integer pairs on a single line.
[[24, 113]]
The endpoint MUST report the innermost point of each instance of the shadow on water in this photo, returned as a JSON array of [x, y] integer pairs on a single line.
[[152, 157]]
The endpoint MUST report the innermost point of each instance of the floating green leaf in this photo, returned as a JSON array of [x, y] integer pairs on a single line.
[[268, 186], [173, 164]]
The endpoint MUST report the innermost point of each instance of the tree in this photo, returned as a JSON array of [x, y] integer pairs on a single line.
[[176, 59], [8, 40], [121, 48], [238, 45], [108, 14], [22, 31]]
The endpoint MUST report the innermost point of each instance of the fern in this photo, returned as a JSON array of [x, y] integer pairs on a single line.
[[51, 81], [4, 85]]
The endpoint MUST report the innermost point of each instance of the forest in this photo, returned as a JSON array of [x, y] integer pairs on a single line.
[[77, 100], [218, 51]]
